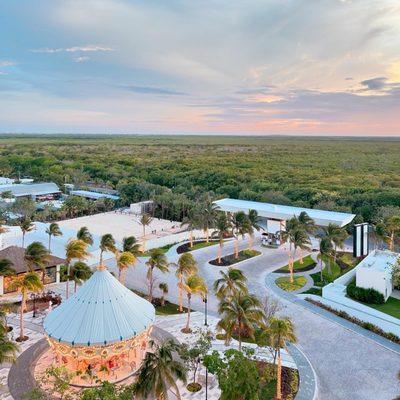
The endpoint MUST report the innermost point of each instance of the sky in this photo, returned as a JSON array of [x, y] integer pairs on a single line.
[[247, 67]]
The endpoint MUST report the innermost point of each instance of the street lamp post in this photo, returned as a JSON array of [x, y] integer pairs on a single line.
[[205, 310], [34, 305], [206, 383]]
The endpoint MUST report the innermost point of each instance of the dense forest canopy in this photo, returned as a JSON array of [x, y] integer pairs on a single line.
[[358, 175]]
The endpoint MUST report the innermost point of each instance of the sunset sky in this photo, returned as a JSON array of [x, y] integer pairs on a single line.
[[200, 67]]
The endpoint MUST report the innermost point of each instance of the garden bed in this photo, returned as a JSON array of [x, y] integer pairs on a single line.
[[308, 265], [199, 244], [230, 259], [164, 249], [284, 283]]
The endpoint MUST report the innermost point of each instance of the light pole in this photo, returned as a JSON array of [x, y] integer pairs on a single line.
[[206, 383], [34, 305], [205, 309]]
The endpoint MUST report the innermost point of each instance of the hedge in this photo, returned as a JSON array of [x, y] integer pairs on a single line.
[[369, 296]]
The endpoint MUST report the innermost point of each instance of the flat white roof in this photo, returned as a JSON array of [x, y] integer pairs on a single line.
[[30, 189], [379, 260], [276, 211], [93, 195]]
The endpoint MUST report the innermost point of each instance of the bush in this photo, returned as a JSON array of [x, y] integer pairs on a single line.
[[369, 296], [193, 387], [250, 253]]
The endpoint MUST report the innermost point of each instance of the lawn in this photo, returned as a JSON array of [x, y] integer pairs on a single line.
[[308, 264], [164, 250], [329, 274], [183, 248], [316, 291], [285, 284], [231, 260], [391, 307], [169, 309]]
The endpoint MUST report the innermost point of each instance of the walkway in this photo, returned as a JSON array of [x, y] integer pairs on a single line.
[[349, 365]]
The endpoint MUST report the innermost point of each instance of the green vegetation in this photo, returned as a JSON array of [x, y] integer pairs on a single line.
[[391, 307], [162, 249], [312, 290], [169, 309], [367, 296], [358, 175], [231, 259], [331, 272], [308, 263], [201, 245], [285, 284]]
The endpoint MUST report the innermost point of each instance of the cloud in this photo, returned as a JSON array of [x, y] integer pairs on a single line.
[[75, 49], [81, 59], [375, 83], [154, 90], [7, 63]]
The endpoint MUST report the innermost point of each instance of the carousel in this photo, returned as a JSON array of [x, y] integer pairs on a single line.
[[101, 332]]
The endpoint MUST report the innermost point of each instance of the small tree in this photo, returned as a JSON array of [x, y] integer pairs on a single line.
[[164, 291], [193, 354], [396, 274], [53, 230], [237, 374], [145, 220]]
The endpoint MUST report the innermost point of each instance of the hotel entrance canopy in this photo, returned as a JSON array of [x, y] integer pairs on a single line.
[[284, 213]]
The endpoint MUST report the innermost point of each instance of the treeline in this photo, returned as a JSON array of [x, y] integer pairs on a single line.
[[359, 176]]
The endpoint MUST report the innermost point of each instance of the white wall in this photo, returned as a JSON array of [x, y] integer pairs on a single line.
[[375, 279]]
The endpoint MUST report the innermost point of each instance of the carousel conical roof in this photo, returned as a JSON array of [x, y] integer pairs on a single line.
[[103, 311]]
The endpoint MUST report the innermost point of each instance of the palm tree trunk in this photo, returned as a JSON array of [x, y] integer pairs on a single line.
[[391, 242], [49, 244], [101, 258], [21, 317], [75, 287], [151, 284], [250, 241], [236, 247], [180, 293], [23, 239], [279, 377], [188, 314], [207, 236], [240, 335], [162, 301], [67, 291], [220, 251], [301, 256], [191, 238]]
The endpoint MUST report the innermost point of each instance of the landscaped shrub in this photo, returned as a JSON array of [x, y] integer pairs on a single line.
[[250, 253], [366, 325], [369, 296]]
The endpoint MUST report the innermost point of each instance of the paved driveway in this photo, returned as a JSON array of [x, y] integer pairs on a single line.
[[348, 365]]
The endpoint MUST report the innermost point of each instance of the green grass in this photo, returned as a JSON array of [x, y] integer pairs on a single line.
[[169, 309], [307, 261], [201, 245], [328, 274], [316, 291], [231, 260], [163, 248], [391, 307], [285, 284]]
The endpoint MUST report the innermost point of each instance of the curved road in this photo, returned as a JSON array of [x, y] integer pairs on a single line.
[[348, 365]]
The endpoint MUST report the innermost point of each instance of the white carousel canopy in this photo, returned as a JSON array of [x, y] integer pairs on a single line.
[[103, 311]]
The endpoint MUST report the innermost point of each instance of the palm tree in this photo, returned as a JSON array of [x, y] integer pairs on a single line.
[[145, 220], [53, 230], [8, 349], [230, 283], [325, 249], [186, 266], [80, 272], [75, 249], [159, 261], [222, 229], [164, 290], [336, 235], [207, 217], [192, 222], [130, 244], [240, 226], [391, 229], [253, 225], [85, 235], [26, 226], [193, 284], [159, 372], [241, 312], [279, 331], [124, 260], [307, 222], [6, 268], [300, 241], [107, 243], [36, 255], [292, 225], [29, 282]]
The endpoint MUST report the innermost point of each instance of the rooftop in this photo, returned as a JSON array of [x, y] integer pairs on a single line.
[[16, 255], [93, 195], [101, 312], [379, 260], [30, 189], [277, 211]]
